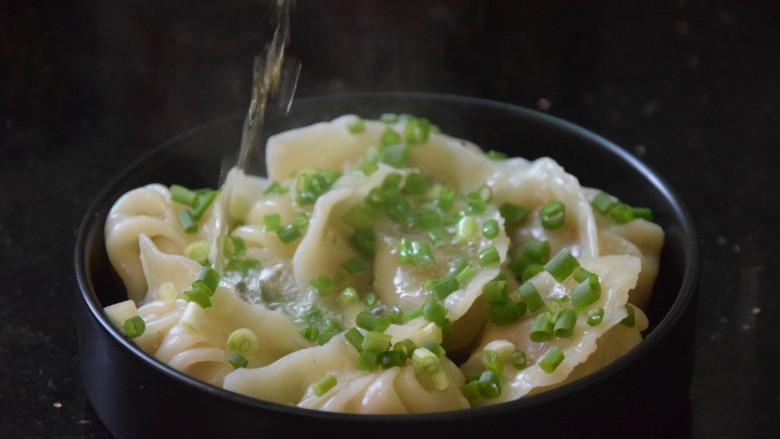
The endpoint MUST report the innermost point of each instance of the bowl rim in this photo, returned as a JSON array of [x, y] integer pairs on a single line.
[[685, 293]]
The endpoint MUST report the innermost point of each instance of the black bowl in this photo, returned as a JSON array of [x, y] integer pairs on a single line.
[[644, 393]]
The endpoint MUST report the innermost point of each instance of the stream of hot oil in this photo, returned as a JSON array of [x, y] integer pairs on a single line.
[[275, 78]]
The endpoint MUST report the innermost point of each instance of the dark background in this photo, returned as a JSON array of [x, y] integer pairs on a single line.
[[690, 87]]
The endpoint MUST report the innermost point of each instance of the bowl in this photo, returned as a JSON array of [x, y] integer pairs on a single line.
[[644, 393]]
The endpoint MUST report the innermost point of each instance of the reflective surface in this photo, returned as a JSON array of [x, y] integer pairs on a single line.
[[689, 87]]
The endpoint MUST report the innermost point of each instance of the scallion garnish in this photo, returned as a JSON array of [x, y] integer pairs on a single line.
[[504, 313], [642, 212], [512, 213], [444, 287], [562, 265], [376, 341], [275, 188], [470, 390], [242, 340], [602, 203], [187, 221], [491, 361], [434, 312], [417, 183], [391, 358], [199, 294], [446, 198], [367, 360], [310, 332], [356, 125], [490, 384], [595, 316], [519, 360], [181, 194], [389, 118], [416, 130], [354, 265], [630, 319], [537, 251], [551, 359], [324, 384], [564, 324], [209, 277], [322, 285], [488, 256], [490, 229], [288, 233], [355, 338], [542, 329], [531, 296], [371, 322], [622, 213], [134, 327], [585, 293], [237, 360], [466, 229], [553, 215], [496, 155], [197, 251]]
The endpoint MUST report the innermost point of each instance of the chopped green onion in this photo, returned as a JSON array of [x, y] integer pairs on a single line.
[[322, 285], [310, 332], [390, 137], [376, 341], [392, 358], [300, 220], [416, 130], [551, 359], [580, 274], [324, 384], [361, 216], [392, 181], [519, 360], [209, 277], [426, 219], [288, 233], [466, 229], [181, 194], [495, 291], [237, 360], [446, 198], [417, 183], [434, 347], [406, 346], [595, 316], [370, 299], [464, 274], [488, 256], [491, 360], [562, 265], [531, 296], [275, 188], [348, 296], [192, 317], [367, 360], [530, 271], [602, 203], [444, 287], [496, 155], [187, 221], [630, 319], [233, 247], [134, 327], [197, 251], [622, 213], [642, 212], [411, 314], [422, 256], [512, 213], [437, 237], [503, 313], [490, 229], [537, 251], [564, 324], [354, 265], [242, 340], [503, 348], [202, 202], [371, 322], [470, 390], [553, 215], [426, 360], [389, 118], [365, 241], [542, 329], [199, 294], [490, 384], [355, 338], [434, 312], [395, 155], [585, 293], [355, 126]]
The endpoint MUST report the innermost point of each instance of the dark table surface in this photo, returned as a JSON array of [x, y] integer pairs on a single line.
[[690, 87]]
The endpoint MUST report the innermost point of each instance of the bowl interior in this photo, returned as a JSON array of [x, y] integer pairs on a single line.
[[195, 160]]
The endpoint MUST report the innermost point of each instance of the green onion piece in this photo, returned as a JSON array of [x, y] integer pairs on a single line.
[[233, 247], [495, 291], [552, 215], [434, 347], [370, 299], [434, 312], [530, 271], [446, 198], [490, 229], [488, 256], [389, 118], [531, 296], [390, 137], [354, 265], [310, 332], [288, 233], [444, 287], [464, 274], [496, 155], [322, 285], [376, 341], [300, 220], [355, 338], [202, 203], [242, 340], [187, 221], [537, 251], [642, 212], [585, 293], [392, 181], [416, 130], [622, 213], [564, 324], [209, 277], [519, 360], [562, 265], [355, 126], [392, 358], [134, 327], [361, 216], [542, 329], [470, 390], [181, 194], [237, 360], [580, 274], [406, 346], [630, 319], [404, 251], [595, 316], [490, 384], [197, 251], [324, 384], [422, 256], [512, 213], [396, 155], [411, 314], [367, 360], [364, 241], [417, 183], [199, 294], [491, 361], [602, 203], [394, 316], [275, 188], [371, 322], [437, 236], [466, 229], [426, 219], [192, 317], [551, 359], [348, 296], [503, 313], [426, 360]]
